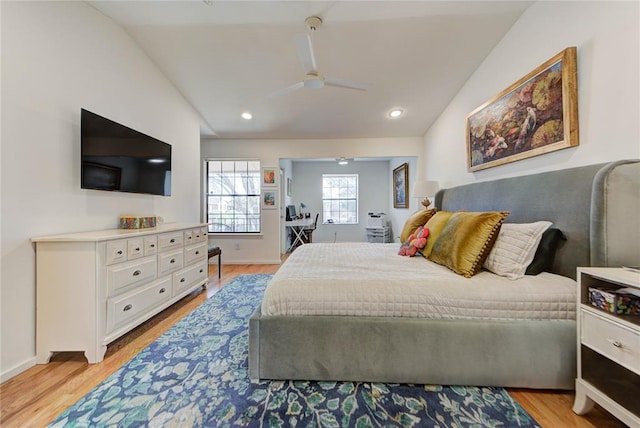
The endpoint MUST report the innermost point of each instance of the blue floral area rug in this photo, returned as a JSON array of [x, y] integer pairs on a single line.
[[195, 375]]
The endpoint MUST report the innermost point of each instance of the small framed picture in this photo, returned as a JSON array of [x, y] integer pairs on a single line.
[[269, 176], [268, 200]]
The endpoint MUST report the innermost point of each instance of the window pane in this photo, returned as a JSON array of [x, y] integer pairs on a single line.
[[233, 196], [340, 198]]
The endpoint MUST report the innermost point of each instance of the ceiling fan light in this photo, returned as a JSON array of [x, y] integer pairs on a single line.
[[313, 82], [246, 115], [396, 112]]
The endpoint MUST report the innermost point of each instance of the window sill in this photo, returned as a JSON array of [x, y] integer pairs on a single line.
[[236, 235]]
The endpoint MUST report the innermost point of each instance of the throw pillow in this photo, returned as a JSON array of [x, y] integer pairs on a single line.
[[435, 226], [416, 242], [418, 218], [466, 240], [546, 252], [514, 248]]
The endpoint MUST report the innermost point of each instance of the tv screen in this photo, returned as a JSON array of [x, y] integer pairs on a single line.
[[118, 158]]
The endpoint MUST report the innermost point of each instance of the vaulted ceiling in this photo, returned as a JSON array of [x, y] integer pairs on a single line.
[[230, 57]]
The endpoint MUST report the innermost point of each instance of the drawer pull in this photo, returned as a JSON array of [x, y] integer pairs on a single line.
[[136, 273], [197, 252], [162, 290], [189, 237], [153, 245], [172, 240], [181, 279], [119, 252], [197, 236], [138, 249], [201, 270], [127, 308], [615, 343], [172, 261]]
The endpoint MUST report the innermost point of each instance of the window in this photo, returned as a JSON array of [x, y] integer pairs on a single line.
[[233, 196], [340, 198]]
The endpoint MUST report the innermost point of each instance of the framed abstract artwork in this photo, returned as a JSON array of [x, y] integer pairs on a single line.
[[269, 176], [268, 199], [537, 114], [401, 186]]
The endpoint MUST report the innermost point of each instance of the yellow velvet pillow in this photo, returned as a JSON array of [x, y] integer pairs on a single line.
[[466, 240], [435, 226], [415, 220]]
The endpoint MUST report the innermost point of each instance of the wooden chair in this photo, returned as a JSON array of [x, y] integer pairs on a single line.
[[214, 250]]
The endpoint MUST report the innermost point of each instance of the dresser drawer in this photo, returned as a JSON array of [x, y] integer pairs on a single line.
[[135, 272], [170, 261], [187, 277], [195, 253], [150, 245], [135, 248], [170, 240], [612, 340], [116, 251], [128, 307], [197, 235]]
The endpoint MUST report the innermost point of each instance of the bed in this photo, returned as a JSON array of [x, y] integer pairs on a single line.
[[397, 329]]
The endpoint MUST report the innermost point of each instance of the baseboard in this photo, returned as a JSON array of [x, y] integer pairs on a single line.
[[248, 262], [5, 376]]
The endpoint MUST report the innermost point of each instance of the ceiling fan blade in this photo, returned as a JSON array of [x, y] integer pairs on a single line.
[[344, 84], [305, 53], [287, 90]]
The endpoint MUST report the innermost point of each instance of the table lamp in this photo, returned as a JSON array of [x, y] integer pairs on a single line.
[[423, 189]]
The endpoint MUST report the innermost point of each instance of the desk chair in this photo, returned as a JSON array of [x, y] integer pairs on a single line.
[[214, 250], [308, 231]]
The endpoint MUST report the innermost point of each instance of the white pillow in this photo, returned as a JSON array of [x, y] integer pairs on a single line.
[[515, 248]]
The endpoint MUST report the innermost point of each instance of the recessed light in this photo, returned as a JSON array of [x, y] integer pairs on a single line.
[[396, 112], [246, 115]]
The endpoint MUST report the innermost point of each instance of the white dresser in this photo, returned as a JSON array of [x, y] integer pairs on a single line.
[[93, 287], [608, 349]]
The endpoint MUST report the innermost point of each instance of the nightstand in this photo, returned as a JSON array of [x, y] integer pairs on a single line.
[[608, 349]]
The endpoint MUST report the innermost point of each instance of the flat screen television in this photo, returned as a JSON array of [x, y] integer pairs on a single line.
[[118, 158]]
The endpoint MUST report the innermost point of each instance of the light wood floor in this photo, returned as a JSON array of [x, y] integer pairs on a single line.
[[35, 397]]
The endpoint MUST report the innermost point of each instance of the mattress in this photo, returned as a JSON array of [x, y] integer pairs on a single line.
[[371, 280]]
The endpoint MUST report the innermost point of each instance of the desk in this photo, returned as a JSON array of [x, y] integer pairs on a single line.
[[297, 226]]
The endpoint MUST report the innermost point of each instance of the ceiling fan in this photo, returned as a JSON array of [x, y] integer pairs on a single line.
[[313, 79]]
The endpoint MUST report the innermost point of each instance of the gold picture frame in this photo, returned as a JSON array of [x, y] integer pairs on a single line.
[[538, 114], [401, 186]]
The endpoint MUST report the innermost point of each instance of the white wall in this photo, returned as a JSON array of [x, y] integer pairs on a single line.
[[373, 190], [58, 57], [607, 38], [266, 247]]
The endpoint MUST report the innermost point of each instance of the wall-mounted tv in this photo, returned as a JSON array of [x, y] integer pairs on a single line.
[[118, 158]]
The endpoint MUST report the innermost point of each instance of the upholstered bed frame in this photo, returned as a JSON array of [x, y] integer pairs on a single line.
[[595, 206]]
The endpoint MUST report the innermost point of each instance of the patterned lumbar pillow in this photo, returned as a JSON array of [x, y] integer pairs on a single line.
[[515, 248]]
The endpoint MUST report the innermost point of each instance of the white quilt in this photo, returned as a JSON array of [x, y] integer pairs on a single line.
[[366, 279]]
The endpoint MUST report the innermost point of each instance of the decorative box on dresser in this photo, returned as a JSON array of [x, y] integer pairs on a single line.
[[93, 287], [608, 349]]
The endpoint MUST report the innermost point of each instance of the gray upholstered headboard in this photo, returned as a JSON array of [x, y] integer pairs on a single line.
[[597, 207]]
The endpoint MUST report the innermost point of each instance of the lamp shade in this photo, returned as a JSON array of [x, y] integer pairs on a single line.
[[424, 188]]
